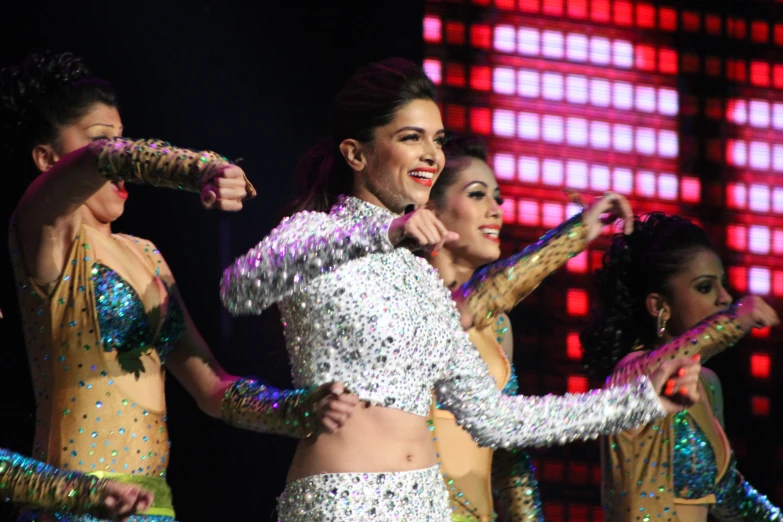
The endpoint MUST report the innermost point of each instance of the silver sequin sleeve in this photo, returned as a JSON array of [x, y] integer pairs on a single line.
[[300, 249], [496, 420]]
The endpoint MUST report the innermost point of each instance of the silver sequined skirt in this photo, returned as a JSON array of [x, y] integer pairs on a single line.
[[409, 496]]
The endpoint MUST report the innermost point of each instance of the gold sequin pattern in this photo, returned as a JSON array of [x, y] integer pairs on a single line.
[[515, 487], [467, 468], [738, 501], [638, 469], [158, 163], [708, 338], [29, 482], [85, 421], [500, 286], [253, 405]]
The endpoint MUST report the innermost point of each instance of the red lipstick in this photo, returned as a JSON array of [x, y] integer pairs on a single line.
[[423, 175], [119, 189], [494, 239]]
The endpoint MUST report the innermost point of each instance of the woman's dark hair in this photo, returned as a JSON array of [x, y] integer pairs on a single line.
[[41, 96], [458, 150], [369, 100], [635, 266]]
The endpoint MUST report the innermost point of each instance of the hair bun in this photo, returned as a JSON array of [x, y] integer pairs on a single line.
[[22, 86]]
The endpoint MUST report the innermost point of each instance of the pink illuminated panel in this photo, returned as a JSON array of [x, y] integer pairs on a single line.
[[754, 152], [571, 96], [574, 107], [581, 96]]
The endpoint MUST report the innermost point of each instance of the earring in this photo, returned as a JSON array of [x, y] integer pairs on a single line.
[[661, 323]]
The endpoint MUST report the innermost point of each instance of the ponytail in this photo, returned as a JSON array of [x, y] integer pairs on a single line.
[[320, 176], [634, 266]]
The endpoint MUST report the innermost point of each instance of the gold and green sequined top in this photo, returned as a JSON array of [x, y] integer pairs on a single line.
[[673, 461], [500, 286], [91, 348], [475, 477], [468, 469]]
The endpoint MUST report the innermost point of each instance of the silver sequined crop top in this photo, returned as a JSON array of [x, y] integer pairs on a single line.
[[379, 319]]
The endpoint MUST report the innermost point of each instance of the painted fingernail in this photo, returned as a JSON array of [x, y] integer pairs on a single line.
[[697, 357], [683, 391], [681, 372], [434, 253]]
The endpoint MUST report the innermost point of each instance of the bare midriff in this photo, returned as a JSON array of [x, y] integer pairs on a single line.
[[375, 439]]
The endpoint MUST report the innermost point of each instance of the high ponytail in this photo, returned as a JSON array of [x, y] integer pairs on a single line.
[[635, 266], [320, 176]]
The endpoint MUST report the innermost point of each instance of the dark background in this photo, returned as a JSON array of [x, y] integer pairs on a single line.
[[254, 81], [247, 79]]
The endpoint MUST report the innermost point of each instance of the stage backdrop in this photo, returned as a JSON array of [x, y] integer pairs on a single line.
[[677, 105]]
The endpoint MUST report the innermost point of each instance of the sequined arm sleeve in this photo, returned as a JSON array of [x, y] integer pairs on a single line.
[[498, 421], [498, 287], [738, 501], [301, 248], [157, 163], [29, 482], [253, 405], [514, 481], [708, 338]]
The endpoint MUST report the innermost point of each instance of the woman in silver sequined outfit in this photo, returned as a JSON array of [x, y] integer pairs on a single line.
[[358, 308]]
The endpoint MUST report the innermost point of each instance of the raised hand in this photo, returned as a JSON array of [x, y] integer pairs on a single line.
[[606, 210], [422, 230], [225, 191], [677, 383], [753, 312]]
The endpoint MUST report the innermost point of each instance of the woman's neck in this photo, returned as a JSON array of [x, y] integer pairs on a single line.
[[454, 270], [365, 194], [89, 219], [665, 339]]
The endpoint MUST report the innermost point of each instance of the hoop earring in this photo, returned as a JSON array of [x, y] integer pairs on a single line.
[[661, 323]]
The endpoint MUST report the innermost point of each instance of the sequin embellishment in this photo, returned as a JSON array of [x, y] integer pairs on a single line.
[[695, 469], [353, 497], [123, 321], [382, 322]]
